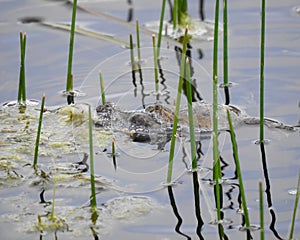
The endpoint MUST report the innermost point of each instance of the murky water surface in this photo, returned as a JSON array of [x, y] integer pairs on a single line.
[[133, 201]]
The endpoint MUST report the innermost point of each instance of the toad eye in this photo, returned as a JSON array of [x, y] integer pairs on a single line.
[[157, 107]]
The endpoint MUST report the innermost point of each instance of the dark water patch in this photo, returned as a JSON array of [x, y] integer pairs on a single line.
[[30, 19]]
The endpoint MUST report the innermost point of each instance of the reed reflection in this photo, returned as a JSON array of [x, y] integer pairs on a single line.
[[176, 213], [200, 221], [268, 191], [201, 10]]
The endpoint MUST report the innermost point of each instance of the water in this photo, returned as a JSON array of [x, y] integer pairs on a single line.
[[149, 209]]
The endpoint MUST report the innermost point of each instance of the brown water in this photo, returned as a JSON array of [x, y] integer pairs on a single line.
[[133, 203]]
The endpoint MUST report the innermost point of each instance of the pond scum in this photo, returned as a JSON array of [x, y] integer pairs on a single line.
[[77, 116]]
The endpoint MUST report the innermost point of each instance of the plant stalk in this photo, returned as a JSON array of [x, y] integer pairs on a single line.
[[69, 87], [93, 189], [102, 89], [37, 142], [262, 63], [177, 108]]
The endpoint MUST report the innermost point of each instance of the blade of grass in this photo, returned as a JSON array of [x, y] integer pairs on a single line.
[[87, 33], [71, 46], [225, 44], [22, 85], [138, 40], [262, 63], [155, 64], [238, 169], [190, 115], [93, 189], [102, 89], [175, 14], [261, 212], [177, 108], [52, 215], [216, 157], [161, 22], [37, 142], [295, 208]]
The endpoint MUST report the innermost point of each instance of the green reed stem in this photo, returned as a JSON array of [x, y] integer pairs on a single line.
[[175, 13], [177, 108], [225, 44], [69, 87], [22, 84], [102, 89], [138, 40], [215, 70], [295, 208], [238, 169], [155, 63], [217, 174], [52, 215], [161, 22], [262, 63], [182, 12], [261, 212], [93, 189], [37, 142], [216, 157], [190, 114]]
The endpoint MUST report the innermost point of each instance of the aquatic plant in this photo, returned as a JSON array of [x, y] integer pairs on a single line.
[[161, 22], [102, 89], [137, 27], [22, 82], [238, 170], [261, 212], [37, 142], [88, 33], [132, 60], [225, 44], [262, 63], [190, 115], [69, 85], [93, 189], [155, 64], [216, 157], [177, 108], [180, 13], [295, 208], [225, 54]]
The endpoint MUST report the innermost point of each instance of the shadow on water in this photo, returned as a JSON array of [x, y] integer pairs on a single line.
[[200, 222], [268, 191]]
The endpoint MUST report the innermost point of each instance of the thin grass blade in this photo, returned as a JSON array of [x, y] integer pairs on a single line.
[[177, 108], [238, 169], [93, 189], [37, 142]]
